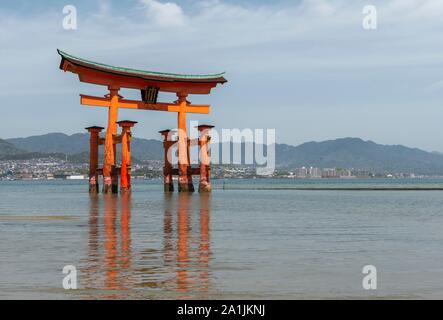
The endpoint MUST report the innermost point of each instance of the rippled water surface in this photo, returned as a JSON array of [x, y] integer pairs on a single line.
[[235, 243]]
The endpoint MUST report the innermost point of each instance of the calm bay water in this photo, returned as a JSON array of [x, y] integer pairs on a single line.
[[235, 243]]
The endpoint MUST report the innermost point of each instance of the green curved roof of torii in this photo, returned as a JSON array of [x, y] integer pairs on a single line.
[[218, 77]]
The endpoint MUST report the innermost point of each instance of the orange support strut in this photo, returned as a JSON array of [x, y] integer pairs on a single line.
[[167, 169], [109, 171], [93, 157], [205, 159], [184, 181], [125, 172]]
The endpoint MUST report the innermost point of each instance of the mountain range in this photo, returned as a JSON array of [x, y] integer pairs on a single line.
[[340, 153], [78, 144], [7, 148]]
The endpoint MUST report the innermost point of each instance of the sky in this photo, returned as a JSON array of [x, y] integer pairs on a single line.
[[306, 68]]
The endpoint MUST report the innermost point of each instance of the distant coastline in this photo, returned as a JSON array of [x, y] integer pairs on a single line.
[[57, 155]]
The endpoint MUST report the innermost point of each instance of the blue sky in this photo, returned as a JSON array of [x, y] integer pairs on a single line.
[[306, 68]]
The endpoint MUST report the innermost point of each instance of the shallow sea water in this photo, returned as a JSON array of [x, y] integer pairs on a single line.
[[236, 243]]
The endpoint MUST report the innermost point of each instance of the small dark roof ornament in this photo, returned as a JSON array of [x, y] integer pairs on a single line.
[[94, 128], [205, 126], [126, 122]]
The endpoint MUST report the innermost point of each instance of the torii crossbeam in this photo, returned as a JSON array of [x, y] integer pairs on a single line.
[[150, 84], [140, 105]]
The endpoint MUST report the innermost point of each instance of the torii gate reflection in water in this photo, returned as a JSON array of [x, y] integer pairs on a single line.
[[150, 84]]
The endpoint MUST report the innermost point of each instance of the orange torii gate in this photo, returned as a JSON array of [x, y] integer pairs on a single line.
[[150, 84]]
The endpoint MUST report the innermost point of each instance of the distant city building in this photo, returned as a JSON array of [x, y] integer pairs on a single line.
[[315, 173], [345, 173], [330, 173], [362, 173], [76, 177], [55, 168], [301, 173]]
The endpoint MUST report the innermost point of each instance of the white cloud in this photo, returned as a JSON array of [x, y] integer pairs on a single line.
[[166, 14], [310, 35], [303, 54]]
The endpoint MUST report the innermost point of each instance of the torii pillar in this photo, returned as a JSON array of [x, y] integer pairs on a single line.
[[125, 171], [94, 141], [167, 169], [110, 176], [205, 159], [184, 167]]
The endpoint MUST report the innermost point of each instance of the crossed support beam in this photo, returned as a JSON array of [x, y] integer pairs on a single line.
[[94, 142], [124, 172], [205, 158], [185, 170], [113, 101]]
